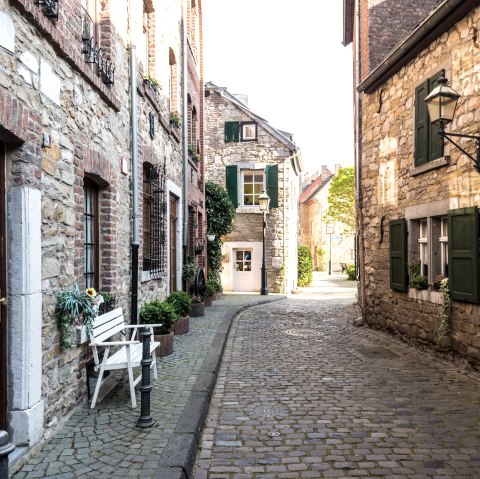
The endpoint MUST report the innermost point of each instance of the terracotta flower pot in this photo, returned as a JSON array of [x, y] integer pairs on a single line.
[[166, 344], [198, 309], [181, 325]]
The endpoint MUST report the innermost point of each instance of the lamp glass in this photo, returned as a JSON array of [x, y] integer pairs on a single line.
[[263, 201], [441, 103]]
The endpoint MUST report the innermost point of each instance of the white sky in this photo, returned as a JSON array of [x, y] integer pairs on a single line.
[[288, 58]]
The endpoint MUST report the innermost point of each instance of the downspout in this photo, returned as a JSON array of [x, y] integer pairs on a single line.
[[185, 132], [358, 247], [134, 152], [285, 266]]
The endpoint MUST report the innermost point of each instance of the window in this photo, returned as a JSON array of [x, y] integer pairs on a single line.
[[90, 240], [173, 81], [252, 186], [243, 261], [423, 247], [236, 131], [443, 240], [428, 145], [154, 220], [252, 182], [249, 131], [91, 21]]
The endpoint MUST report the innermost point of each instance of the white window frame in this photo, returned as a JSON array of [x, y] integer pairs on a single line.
[[253, 172], [443, 239], [243, 131], [423, 246]]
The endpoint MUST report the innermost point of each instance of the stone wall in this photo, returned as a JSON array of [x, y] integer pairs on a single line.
[[393, 188], [281, 228], [46, 88]]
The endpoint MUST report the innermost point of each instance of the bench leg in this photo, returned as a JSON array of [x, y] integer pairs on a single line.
[[130, 379], [154, 365], [99, 380]]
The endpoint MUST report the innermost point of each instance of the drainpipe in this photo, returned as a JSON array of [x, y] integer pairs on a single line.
[[136, 216], [185, 132]]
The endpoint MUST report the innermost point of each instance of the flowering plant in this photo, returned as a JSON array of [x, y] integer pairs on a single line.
[[72, 304]]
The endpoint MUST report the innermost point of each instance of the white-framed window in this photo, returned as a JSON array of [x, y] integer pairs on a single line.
[[249, 131], [443, 240], [243, 260], [423, 247], [253, 183]]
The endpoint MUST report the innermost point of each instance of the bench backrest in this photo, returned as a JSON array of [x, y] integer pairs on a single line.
[[104, 327]]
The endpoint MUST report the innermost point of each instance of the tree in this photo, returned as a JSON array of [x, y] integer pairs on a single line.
[[341, 199], [220, 218]]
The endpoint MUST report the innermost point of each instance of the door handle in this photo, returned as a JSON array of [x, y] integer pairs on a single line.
[[3, 301]]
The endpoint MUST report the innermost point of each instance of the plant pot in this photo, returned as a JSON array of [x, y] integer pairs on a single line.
[[208, 300], [198, 309], [181, 325], [166, 344]]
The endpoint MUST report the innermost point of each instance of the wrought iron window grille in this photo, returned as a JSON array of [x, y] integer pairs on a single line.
[[49, 8], [158, 246]]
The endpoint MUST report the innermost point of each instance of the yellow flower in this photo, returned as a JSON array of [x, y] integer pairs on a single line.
[[91, 292]]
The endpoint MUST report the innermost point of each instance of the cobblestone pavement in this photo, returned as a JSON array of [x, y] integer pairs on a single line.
[[303, 394], [104, 442]]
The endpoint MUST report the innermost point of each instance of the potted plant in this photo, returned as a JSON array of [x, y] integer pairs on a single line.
[[160, 312], [193, 153], [182, 304], [72, 306], [175, 120], [198, 307], [152, 83], [210, 291]]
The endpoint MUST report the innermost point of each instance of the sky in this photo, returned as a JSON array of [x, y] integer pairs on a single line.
[[288, 58]]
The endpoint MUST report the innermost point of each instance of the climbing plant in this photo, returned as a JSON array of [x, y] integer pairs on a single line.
[[304, 266], [220, 219]]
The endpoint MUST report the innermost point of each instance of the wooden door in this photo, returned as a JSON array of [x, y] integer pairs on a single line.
[[173, 243], [3, 296]]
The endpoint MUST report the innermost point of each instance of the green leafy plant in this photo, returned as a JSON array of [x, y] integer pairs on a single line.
[[341, 199], [175, 120], [417, 280], [211, 287], [304, 266], [351, 273], [153, 82], [188, 270], [192, 151], [220, 217], [72, 305], [181, 302], [158, 312], [445, 323]]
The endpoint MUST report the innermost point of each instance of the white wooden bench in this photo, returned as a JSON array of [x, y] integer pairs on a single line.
[[127, 356]]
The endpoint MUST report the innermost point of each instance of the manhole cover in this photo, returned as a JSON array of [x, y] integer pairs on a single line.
[[274, 434], [304, 333], [266, 410], [377, 352]]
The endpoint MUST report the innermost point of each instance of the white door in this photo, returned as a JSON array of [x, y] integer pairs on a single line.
[[242, 270]]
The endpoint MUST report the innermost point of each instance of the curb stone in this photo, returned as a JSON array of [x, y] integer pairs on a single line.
[[178, 458]]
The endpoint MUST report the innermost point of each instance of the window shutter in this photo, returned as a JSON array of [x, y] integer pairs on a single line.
[[421, 124], [398, 255], [231, 181], [271, 180], [435, 143], [463, 274], [232, 131]]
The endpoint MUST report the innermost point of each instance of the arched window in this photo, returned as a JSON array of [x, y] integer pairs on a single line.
[[173, 81]]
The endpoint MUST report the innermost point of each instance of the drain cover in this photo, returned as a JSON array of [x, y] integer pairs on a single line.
[[377, 352], [304, 333], [266, 410], [274, 434]]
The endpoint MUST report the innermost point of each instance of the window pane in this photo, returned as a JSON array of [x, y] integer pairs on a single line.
[[239, 255], [248, 189], [248, 255], [259, 178], [248, 178], [248, 266], [258, 188], [248, 200], [239, 267]]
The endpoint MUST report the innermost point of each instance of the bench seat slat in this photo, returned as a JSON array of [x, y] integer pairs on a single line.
[[120, 357]]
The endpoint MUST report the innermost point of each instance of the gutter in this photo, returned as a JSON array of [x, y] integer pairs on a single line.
[[440, 20], [185, 132]]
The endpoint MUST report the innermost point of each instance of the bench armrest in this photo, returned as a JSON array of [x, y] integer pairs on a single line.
[[132, 326], [115, 343]]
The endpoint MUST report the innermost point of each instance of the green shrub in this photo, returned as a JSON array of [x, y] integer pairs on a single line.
[[181, 302], [158, 312], [351, 273], [419, 281], [304, 266], [211, 287]]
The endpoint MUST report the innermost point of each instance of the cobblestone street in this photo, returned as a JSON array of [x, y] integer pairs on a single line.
[[304, 394]]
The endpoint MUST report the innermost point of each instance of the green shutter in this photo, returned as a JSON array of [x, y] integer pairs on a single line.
[[231, 181], [421, 124], [232, 131], [398, 255], [435, 143], [463, 273], [271, 180]]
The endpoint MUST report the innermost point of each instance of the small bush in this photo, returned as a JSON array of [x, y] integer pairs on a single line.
[[181, 302], [351, 273], [158, 312], [419, 281], [304, 266], [211, 287]]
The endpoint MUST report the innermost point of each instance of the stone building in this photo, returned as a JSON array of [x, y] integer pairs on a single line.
[[328, 242], [247, 155], [85, 197], [417, 196]]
